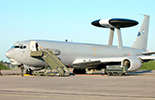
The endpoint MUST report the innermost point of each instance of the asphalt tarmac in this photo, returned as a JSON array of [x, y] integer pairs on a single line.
[[136, 86]]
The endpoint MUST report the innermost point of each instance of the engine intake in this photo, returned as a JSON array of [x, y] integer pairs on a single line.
[[132, 64]]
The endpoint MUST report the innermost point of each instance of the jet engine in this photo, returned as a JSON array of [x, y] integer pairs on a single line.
[[132, 64]]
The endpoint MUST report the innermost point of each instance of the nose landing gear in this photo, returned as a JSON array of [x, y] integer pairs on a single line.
[[29, 71]]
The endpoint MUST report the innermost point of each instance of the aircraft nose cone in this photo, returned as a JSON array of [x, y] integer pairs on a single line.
[[10, 53], [96, 23]]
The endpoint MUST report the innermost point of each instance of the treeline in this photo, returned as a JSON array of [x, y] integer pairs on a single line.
[[3, 67], [148, 65]]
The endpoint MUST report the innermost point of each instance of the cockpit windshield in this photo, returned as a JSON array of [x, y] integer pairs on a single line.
[[16, 46], [12, 46], [21, 46]]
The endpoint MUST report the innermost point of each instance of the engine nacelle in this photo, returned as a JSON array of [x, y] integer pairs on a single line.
[[132, 64]]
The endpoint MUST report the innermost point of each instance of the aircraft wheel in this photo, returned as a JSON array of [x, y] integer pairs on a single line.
[[105, 72], [120, 74], [83, 71], [29, 71], [109, 74], [124, 74], [75, 70], [79, 71]]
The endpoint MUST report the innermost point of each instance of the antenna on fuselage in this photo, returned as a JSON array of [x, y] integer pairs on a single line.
[[113, 23]]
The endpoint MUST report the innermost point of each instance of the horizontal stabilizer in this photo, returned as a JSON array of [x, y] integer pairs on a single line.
[[148, 53], [147, 58]]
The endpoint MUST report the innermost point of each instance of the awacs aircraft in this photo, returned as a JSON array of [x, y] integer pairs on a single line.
[[92, 56]]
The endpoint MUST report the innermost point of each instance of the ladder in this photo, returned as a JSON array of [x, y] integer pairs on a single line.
[[52, 60]]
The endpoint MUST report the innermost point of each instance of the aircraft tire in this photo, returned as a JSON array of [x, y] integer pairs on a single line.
[[109, 74], [29, 71], [120, 74], [83, 71], [79, 71]]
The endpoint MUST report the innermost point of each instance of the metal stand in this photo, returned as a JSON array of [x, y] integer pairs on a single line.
[[111, 35], [120, 45]]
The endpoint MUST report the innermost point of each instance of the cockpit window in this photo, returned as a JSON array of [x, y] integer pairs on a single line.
[[16, 46], [13, 46], [21, 47]]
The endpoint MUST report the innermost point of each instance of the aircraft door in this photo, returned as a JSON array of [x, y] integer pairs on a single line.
[[34, 46]]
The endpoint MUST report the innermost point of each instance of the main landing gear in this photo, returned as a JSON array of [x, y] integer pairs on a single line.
[[79, 71]]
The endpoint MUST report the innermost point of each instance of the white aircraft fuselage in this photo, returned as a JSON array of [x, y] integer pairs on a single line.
[[69, 52]]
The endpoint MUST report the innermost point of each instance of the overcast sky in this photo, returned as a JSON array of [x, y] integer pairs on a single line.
[[70, 19]]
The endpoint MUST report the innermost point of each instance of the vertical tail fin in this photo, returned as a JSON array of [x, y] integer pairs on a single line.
[[142, 36]]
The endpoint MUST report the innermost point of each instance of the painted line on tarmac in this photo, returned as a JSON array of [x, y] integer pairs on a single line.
[[34, 96]]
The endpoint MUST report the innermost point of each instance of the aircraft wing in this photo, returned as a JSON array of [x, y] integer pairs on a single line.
[[86, 64], [93, 62]]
